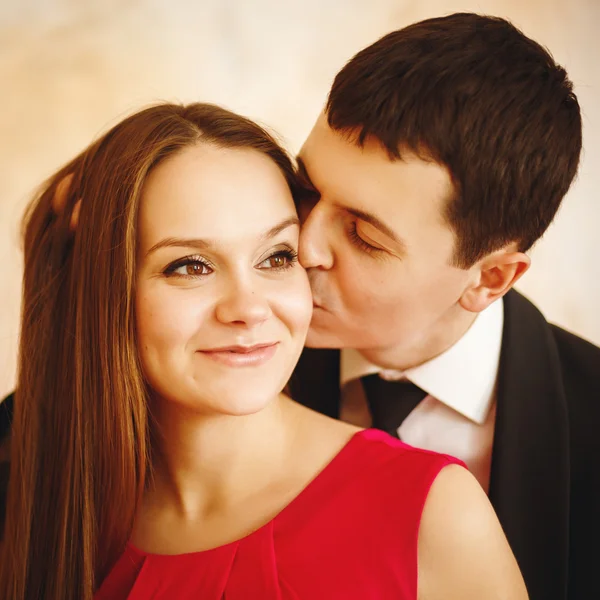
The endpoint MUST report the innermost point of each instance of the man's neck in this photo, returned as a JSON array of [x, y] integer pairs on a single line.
[[401, 357]]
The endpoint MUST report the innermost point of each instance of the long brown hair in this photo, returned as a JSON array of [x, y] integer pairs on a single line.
[[80, 440]]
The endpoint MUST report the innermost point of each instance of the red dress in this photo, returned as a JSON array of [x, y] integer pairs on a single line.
[[351, 534]]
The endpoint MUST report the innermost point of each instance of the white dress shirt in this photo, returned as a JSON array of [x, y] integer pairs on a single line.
[[457, 416]]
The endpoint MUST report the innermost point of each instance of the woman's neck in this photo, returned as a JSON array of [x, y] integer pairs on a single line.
[[206, 463]]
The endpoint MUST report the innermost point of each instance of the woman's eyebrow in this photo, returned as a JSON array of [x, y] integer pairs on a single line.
[[206, 244], [280, 227]]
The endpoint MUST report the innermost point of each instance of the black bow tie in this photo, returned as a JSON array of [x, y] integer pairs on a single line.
[[390, 402]]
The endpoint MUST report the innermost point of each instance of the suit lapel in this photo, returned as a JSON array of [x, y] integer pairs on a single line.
[[316, 381], [529, 485]]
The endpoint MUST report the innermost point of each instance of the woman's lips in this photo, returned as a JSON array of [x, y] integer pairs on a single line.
[[239, 356]]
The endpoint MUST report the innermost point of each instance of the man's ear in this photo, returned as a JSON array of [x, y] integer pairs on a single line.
[[496, 275]]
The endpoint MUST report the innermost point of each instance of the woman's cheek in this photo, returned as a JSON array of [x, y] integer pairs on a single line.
[[169, 317], [294, 303]]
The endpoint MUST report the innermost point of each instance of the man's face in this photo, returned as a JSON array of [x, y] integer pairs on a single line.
[[377, 248]]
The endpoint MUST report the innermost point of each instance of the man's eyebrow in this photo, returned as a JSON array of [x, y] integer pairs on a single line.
[[200, 244], [372, 220]]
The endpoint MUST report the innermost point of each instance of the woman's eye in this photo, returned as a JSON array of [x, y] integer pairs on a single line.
[[276, 262], [188, 267], [280, 260], [192, 268]]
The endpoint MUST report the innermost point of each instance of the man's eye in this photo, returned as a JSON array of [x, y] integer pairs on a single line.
[[359, 242]]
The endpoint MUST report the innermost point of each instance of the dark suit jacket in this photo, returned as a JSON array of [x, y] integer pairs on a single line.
[[545, 474], [6, 411], [545, 480]]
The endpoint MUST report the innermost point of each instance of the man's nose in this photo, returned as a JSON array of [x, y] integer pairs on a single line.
[[314, 249]]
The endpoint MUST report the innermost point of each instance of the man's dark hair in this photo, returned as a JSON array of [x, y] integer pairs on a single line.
[[475, 94]]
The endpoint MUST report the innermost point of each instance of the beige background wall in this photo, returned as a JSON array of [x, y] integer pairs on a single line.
[[70, 68]]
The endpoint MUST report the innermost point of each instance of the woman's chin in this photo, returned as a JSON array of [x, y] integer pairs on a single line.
[[228, 402]]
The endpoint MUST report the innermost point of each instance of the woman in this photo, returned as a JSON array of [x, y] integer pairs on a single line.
[[154, 454]]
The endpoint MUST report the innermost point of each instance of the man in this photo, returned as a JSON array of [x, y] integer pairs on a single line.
[[443, 154]]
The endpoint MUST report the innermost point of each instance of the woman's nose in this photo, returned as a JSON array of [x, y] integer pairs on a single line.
[[243, 303]]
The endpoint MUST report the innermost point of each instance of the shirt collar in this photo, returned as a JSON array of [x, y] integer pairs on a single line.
[[463, 377]]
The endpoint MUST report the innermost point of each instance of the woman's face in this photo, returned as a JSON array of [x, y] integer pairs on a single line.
[[223, 307]]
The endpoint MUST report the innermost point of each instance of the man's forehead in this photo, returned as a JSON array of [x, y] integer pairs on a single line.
[[327, 148], [367, 180], [330, 156]]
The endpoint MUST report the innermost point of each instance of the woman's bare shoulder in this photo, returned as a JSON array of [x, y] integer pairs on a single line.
[[463, 552]]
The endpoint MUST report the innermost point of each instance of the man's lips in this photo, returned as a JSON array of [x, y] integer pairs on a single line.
[[242, 356]]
